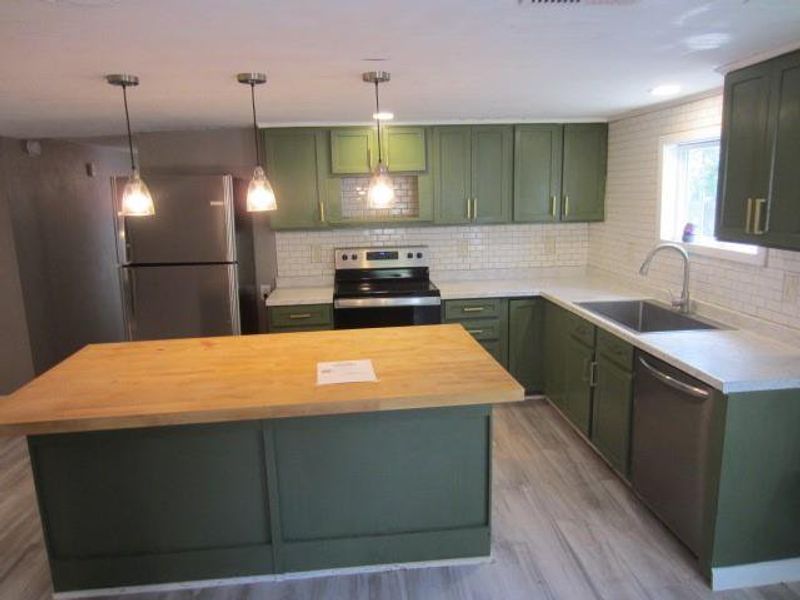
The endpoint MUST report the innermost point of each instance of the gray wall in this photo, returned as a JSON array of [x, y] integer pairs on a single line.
[[213, 151], [16, 362], [65, 246]]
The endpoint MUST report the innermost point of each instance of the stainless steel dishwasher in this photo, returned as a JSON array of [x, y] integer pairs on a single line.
[[669, 458]]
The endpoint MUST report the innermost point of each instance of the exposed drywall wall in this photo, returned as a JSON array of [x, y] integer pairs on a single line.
[[16, 362], [631, 227], [65, 246]]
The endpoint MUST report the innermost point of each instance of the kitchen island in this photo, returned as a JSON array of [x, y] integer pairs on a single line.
[[171, 461]]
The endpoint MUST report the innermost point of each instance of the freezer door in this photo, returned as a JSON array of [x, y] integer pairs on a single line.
[[193, 222], [163, 302]]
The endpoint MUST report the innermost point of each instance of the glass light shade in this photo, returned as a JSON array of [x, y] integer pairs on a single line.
[[260, 195], [136, 198], [380, 193]]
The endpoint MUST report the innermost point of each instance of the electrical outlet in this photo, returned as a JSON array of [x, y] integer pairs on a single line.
[[549, 244], [463, 249], [791, 287]]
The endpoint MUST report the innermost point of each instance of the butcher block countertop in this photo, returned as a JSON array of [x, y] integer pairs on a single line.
[[203, 380]]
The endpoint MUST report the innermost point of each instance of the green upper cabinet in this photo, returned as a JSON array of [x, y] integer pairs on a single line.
[[473, 170], [295, 162], [352, 150], [759, 178], [537, 173], [406, 149], [526, 343], [583, 182]]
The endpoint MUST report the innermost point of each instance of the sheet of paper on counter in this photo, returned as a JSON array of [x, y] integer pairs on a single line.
[[345, 371]]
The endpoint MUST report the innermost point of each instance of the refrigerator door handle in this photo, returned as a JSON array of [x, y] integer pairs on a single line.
[[230, 226], [233, 298], [129, 286]]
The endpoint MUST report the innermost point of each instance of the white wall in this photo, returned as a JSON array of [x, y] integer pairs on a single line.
[[457, 248], [620, 243]]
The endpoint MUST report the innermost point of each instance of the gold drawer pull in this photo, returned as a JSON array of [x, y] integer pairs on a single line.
[[748, 226], [475, 331], [300, 316], [473, 309], [757, 216]]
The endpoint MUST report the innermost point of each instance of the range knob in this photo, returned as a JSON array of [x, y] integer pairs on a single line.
[[419, 254], [410, 255], [344, 256], [354, 256]]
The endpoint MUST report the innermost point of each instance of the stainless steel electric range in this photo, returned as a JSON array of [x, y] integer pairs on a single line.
[[384, 287]]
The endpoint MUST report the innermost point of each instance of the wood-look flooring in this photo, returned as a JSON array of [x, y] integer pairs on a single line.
[[564, 528]]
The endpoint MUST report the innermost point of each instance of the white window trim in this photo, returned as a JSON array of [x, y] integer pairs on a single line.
[[710, 249]]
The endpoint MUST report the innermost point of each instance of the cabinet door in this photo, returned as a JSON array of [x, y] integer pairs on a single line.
[[781, 223], [525, 341], [405, 149], [452, 172], [537, 173], [352, 150], [583, 183], [492, 173], [578, 396], [555, 337], [745, 151], [293, 165], [611, 413]]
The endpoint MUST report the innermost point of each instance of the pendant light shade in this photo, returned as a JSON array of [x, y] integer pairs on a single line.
[[260, 195], [380, 193], [136, 198]]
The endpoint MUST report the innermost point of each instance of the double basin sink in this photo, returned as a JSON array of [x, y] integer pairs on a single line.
[[646, 316]]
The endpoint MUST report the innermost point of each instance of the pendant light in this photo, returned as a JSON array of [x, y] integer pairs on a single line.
[[260, 195], [380, 193], [136, 198]]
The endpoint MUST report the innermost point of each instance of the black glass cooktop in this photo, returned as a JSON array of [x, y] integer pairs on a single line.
[[385, 288]]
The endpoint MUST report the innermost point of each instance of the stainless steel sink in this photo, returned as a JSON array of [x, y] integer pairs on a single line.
[[647, 316]]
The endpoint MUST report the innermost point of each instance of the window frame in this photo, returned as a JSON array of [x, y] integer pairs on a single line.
[[666, 191]]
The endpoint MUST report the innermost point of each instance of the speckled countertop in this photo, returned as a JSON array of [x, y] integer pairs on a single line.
[[732, 360]]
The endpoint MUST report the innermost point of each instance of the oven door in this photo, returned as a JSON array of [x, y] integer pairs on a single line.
[[359, 313]]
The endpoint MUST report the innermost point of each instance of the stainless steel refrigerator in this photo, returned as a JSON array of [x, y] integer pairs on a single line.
[[180, 272]]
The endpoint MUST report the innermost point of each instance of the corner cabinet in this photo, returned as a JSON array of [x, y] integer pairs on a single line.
[[525, 349], [758, 181], [473, 169], [560, 172]]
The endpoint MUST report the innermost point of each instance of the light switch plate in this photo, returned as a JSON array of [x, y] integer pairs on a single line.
[[549, 244]]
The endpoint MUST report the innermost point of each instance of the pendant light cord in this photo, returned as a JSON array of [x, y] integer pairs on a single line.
[[128, 124], [255, 123], [378, 121]]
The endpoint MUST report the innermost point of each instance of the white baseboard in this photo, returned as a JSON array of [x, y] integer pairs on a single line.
[[208, 583], [764, 573]]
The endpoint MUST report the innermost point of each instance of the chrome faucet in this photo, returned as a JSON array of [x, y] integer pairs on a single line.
[[681, 304]]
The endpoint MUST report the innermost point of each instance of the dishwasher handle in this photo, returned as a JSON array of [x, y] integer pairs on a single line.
[[677, 384]]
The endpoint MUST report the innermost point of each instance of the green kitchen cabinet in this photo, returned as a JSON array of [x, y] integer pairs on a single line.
[[352, 150], [525, 342], [296, 161], [578, 367], [583, 183], [537, 173], [473, 170], [612, 406], [306, 317], [555, 338], [406, 149], [486, 319], [757, 191]]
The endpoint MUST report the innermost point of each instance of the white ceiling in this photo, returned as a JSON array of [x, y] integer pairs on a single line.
[[450, 60]]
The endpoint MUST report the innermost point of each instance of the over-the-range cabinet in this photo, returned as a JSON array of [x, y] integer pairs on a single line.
[[181, 272]]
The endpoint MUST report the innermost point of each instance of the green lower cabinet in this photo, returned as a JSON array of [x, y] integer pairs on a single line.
[[486, 319], [555, 350], [304, 317], [612, 407], [578, 390], [525, 342]]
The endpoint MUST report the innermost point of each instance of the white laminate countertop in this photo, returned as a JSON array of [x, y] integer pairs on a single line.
[[730, 360]]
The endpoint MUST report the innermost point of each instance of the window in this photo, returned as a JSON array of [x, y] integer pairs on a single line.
[[689, 166]]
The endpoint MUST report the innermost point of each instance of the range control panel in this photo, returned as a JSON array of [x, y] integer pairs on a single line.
[[381, 258]]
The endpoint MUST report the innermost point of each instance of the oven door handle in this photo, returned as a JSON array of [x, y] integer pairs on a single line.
[[386, 302]]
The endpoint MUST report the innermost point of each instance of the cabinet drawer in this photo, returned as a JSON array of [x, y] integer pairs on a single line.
[[483, 329], [616, 350], [306, 316], [472, 309], [580, 329]]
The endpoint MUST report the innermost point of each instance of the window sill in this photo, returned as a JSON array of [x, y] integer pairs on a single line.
[[758, 259]]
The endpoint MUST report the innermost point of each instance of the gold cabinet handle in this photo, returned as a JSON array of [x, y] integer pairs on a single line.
[[593, 374], [369, 158], [475, 209], [470, 309], [566, 205], [475, 331], [553, 206], [748, 226], [300, 316], [757, 216], [322, 211], [469, 209]]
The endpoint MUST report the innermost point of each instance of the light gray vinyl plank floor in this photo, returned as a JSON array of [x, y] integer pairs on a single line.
[[564, 528]]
